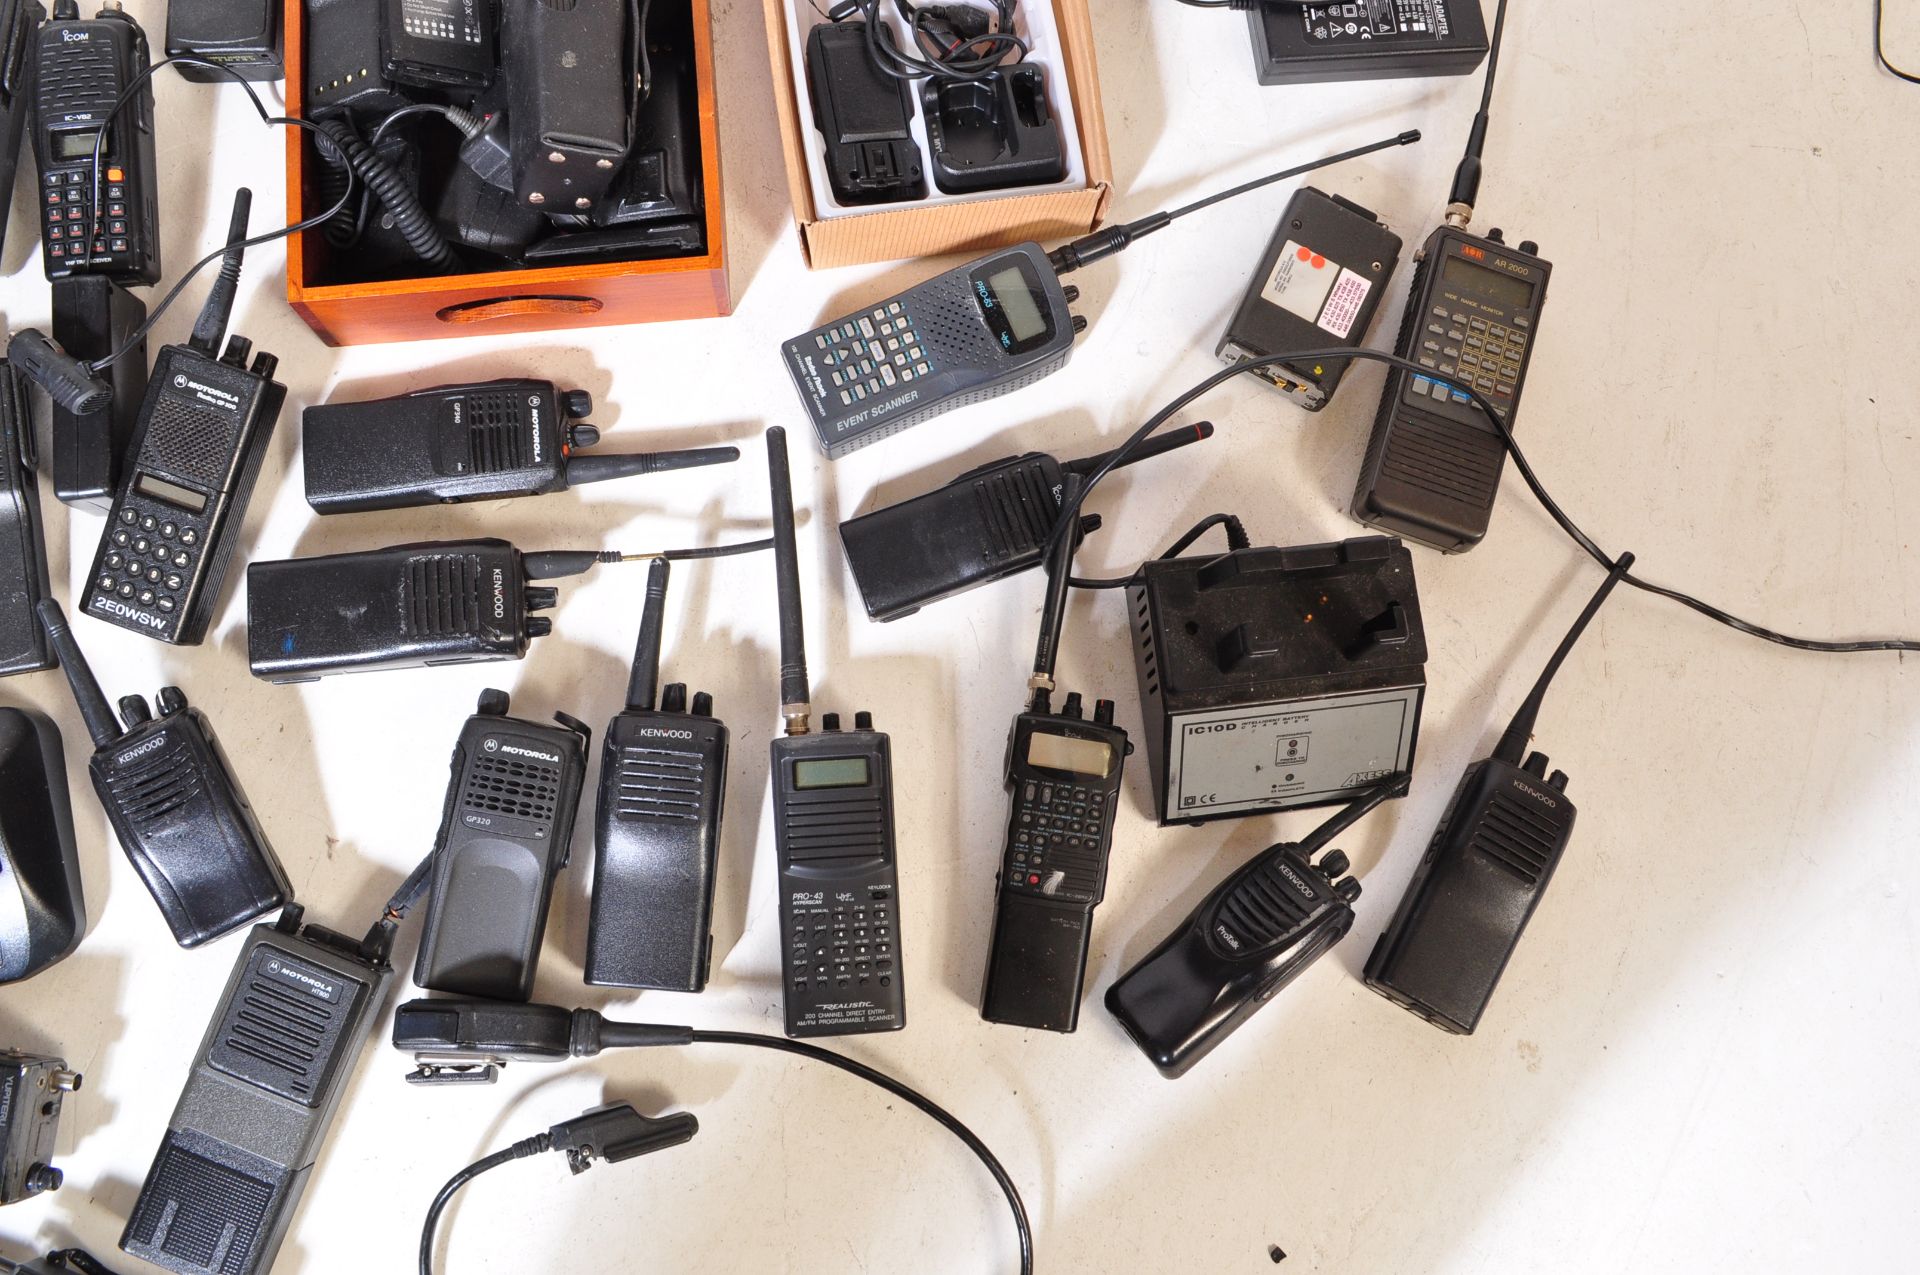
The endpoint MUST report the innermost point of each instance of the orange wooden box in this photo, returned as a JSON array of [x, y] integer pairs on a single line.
[[505, 301]]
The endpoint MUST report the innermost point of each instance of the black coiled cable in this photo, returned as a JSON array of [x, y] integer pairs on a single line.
[[410, 217]]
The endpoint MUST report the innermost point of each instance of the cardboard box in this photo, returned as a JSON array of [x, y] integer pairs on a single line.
[[908, 230], [504, 301]]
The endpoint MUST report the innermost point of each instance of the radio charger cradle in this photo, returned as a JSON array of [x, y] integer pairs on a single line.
[[260, 1098], [1320, 282], [505, 834], [1272, 679], [998, 132], [486, 441], [863, 115], [241, 35], [24, 578], [19, 20], [1433, 463], [32, 1088], [173, 803], [197, 448], [95, 220], [43, 910], [1365, 40], [985, 525], [93, 317], [656, 833]]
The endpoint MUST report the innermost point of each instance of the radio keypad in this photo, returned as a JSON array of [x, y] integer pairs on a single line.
[[842, 945], [1051, 820], [1469, 351], [150, 560], [68, 220], [873, 353]]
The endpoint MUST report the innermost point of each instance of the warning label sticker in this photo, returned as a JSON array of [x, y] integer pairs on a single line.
[[1322, 292]]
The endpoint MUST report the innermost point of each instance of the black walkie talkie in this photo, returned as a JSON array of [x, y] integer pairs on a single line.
[[989, 523], [975, 332], [98, 197], [1063, 775], [189, 474], [656, 832], [1433, 465], [23, 547], [505, 833], [485, 441], [174, 804], [832, 832], [278, 1055], [1484, 871]]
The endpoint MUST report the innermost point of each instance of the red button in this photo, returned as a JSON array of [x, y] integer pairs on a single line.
[[1032, 880]]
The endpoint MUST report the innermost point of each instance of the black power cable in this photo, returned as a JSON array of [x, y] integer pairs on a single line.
[[1880, 44], [1070, 509], [1236, 539]]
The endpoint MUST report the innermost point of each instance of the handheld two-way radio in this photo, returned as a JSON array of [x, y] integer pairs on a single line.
[[656, 832], [505, 833], [971, 334], [451, 443], [241, 1144], [1484, 871], [832, 832], [174, 804], [985, 525], [1255, 933], [1433, 464], [98, 183], [23, 547], [1063, 777], [196, 452]]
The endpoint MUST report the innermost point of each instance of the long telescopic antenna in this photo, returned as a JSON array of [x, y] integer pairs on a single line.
[[796, 708], [643, 684], [95, 711], [1104, 243], [1466, 178], [1158, 445], [1513, 744], [1053, 611]]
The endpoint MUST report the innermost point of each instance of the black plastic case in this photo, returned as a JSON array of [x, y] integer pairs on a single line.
[[862, 116], [42, 911], [993, 133], [23, 550]]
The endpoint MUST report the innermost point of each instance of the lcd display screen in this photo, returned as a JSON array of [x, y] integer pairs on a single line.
[[1468, 276], [172, 493], [832, 772], [1079, 756], [74, 144], [1017, 302]]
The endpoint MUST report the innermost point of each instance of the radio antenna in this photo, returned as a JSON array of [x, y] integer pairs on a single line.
[[1104, 243], [795, 695], [1158, 445], [595, 468], [1053, 611], [1514, 742], [1466, 178], [644, 682], [212, 323], [95, 711]]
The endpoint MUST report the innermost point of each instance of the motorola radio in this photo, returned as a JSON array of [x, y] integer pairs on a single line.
[[1255, 933], [1433, 464], [98, 184], [1063, 776], [505, 833], [1485, 870], [832, 832], [656, 832], [23, 547], [451, 443], [414, 606], [174, 804], [190, 469], [277, 1057], [975, 332], [989, 523]]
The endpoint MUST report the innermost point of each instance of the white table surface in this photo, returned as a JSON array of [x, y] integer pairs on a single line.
[[1702, 1055]]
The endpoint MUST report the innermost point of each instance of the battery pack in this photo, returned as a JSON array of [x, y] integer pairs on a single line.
[[1319, 285], [1367, 40], [1272, 679]]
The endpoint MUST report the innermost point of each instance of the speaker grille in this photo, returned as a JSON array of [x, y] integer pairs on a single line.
[[1265, 906], [201, 1214], [442, 595], [150, 793], [1451, 461], [190, 440], [496, 432], [509, 786], [661, 783], [1018, 509], [1513, 838], [835, 827]]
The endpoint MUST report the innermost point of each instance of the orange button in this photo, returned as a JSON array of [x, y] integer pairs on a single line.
[[115, 175]]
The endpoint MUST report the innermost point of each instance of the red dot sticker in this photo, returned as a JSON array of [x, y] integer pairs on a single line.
[[1319, 262], [1306, 254]]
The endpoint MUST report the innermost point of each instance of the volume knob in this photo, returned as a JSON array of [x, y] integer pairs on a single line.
[[576, 404]]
